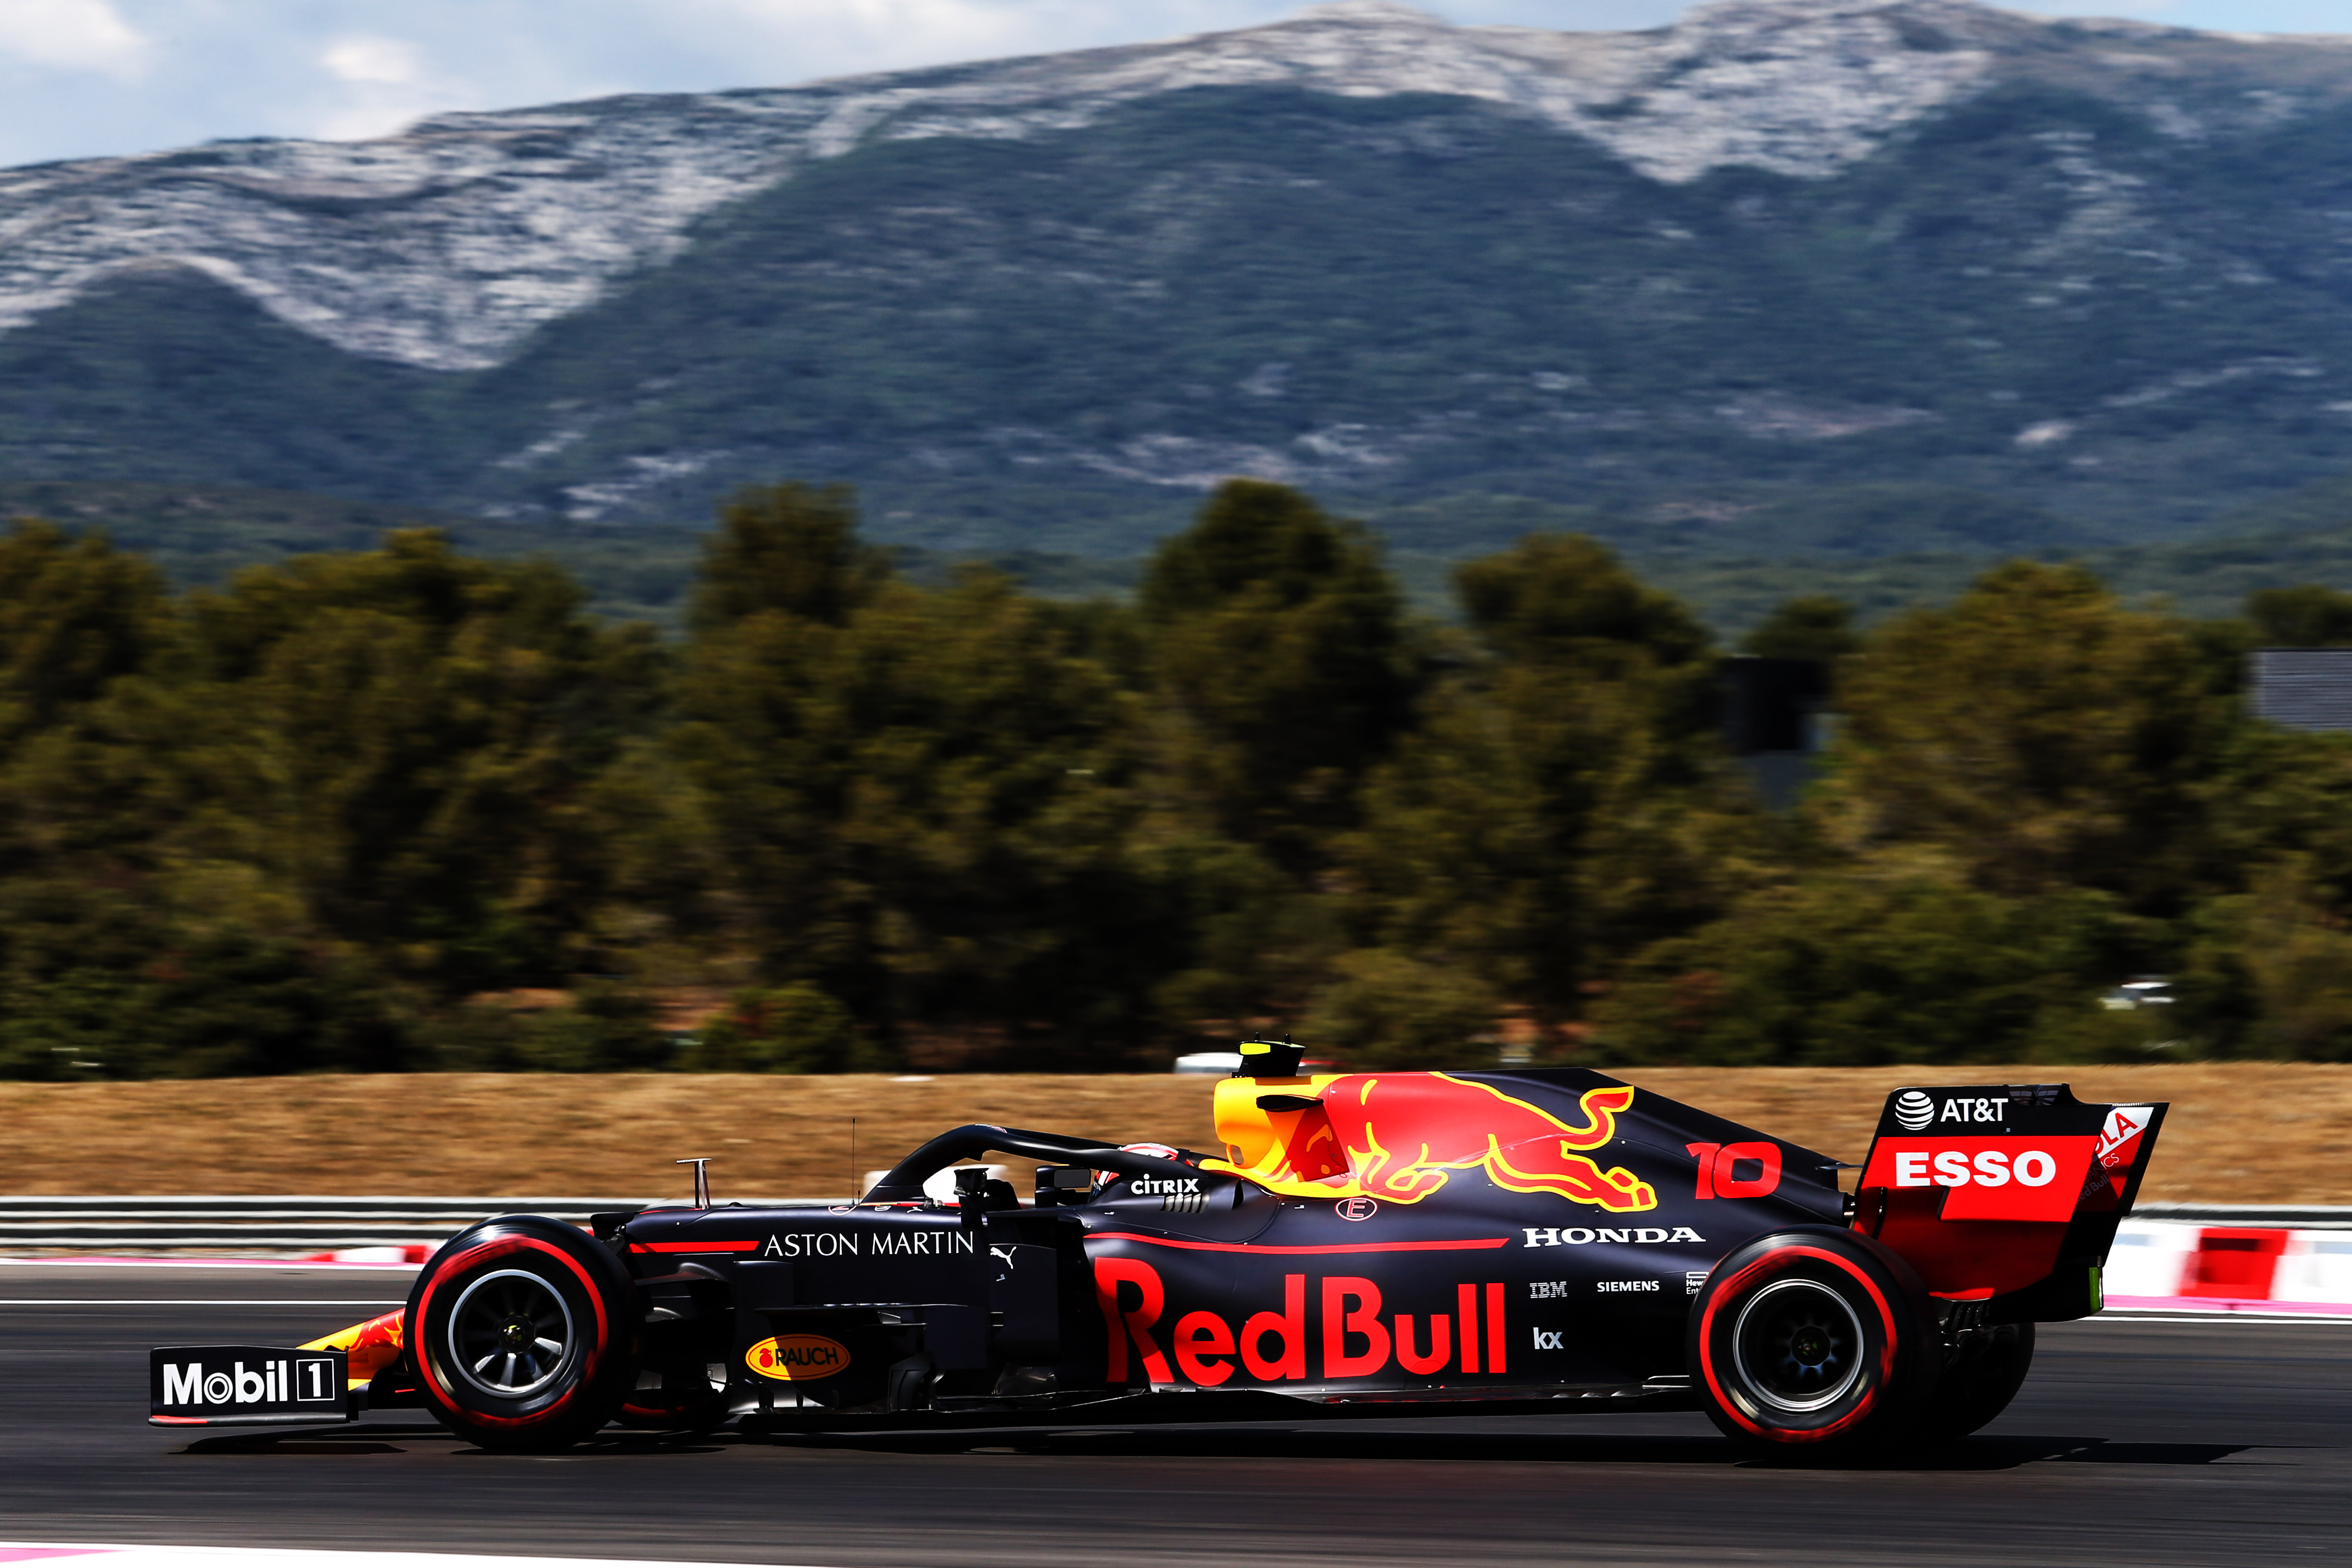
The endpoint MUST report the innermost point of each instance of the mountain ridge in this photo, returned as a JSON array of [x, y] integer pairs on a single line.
[[488, 224], [1855, 276]]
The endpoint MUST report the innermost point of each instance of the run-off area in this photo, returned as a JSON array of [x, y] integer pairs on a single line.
[[2141, 1442]]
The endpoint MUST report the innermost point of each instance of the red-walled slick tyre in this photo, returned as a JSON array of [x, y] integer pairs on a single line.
[[1814, 1342], [523, 1330]]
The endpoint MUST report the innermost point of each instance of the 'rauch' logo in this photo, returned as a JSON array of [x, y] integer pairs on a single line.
[[1913, 1110], [797, 1358]]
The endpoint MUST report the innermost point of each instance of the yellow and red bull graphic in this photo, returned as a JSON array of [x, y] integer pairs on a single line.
[[1397, 1139], [798, 1358], [372, 1346], [1325, 1327]]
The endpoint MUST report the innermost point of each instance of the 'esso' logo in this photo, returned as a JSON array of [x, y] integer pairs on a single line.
[[1990, 1168], [1913, 1110]]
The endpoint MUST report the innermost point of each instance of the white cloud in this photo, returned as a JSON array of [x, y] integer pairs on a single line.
[[182, 71], [72, 35], [382, 86], [790, 40], [372, 61]]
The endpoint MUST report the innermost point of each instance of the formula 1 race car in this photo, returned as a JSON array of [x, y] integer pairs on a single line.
[[1368, 1244]]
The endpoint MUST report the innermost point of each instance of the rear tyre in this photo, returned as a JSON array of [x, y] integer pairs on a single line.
[[1814, 1342], [523, 1331], [1981, 1374]]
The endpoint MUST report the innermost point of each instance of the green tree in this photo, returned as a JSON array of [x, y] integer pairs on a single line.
[[1280, 664], [83, 628], [2309, 615], [2040, 732], [1869, 964], [794, 1028], [926, 812], [1563, 803], [410, 741], [789, 549], [76, 617], [2269, 973], [88, 636], [1818, 626], [1564, 602], [1390, 1009], [608, 1028], [2287, 795]]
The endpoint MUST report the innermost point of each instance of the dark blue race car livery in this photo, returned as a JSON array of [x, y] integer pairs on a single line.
[[1408, 1243]]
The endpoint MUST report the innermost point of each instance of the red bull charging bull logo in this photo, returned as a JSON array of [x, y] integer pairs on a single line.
[[1397, 1138]]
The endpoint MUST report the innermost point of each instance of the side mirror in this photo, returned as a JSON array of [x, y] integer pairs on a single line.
[[1270, 1059], [1061, 1184]]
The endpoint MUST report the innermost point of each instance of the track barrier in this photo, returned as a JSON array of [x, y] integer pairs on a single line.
[[369, 1229], [2192, 1264], [2168, 1257]]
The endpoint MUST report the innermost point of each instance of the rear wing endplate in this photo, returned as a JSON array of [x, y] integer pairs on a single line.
[[2007, 1194]]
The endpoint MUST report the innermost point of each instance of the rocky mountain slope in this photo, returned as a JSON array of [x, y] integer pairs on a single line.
[[1708, 278]]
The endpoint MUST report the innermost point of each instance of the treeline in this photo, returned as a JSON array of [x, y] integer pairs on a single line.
[[376, 811]]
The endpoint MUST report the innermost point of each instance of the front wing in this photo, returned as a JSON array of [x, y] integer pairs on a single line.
[[247, 1386]]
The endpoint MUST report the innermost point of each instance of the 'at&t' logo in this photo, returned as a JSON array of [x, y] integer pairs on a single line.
[[1915, 1108]]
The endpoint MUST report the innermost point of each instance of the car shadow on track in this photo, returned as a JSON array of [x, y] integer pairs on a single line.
[[1982, 1453], [2008, 1453], [1282, 1442], [406, 1439]]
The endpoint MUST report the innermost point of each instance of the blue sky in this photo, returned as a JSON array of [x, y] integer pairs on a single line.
[[82, 78]]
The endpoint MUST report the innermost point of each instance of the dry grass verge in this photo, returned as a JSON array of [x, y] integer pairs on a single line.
[[2241, 1132]]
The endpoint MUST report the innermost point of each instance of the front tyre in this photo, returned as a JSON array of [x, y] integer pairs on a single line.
[[1814, 1342], [523, 1330]]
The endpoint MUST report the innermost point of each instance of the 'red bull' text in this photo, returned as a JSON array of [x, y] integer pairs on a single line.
[[1333, 1326]]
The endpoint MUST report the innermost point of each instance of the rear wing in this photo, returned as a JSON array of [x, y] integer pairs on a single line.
[[2007, 1194]]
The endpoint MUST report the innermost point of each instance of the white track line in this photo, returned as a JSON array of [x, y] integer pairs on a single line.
[[73, 1555]]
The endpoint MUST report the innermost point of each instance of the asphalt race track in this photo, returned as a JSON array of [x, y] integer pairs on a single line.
[[2133, 1443]]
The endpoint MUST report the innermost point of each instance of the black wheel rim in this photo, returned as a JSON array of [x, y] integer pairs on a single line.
[[510, 1334], [1798, 1345]]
